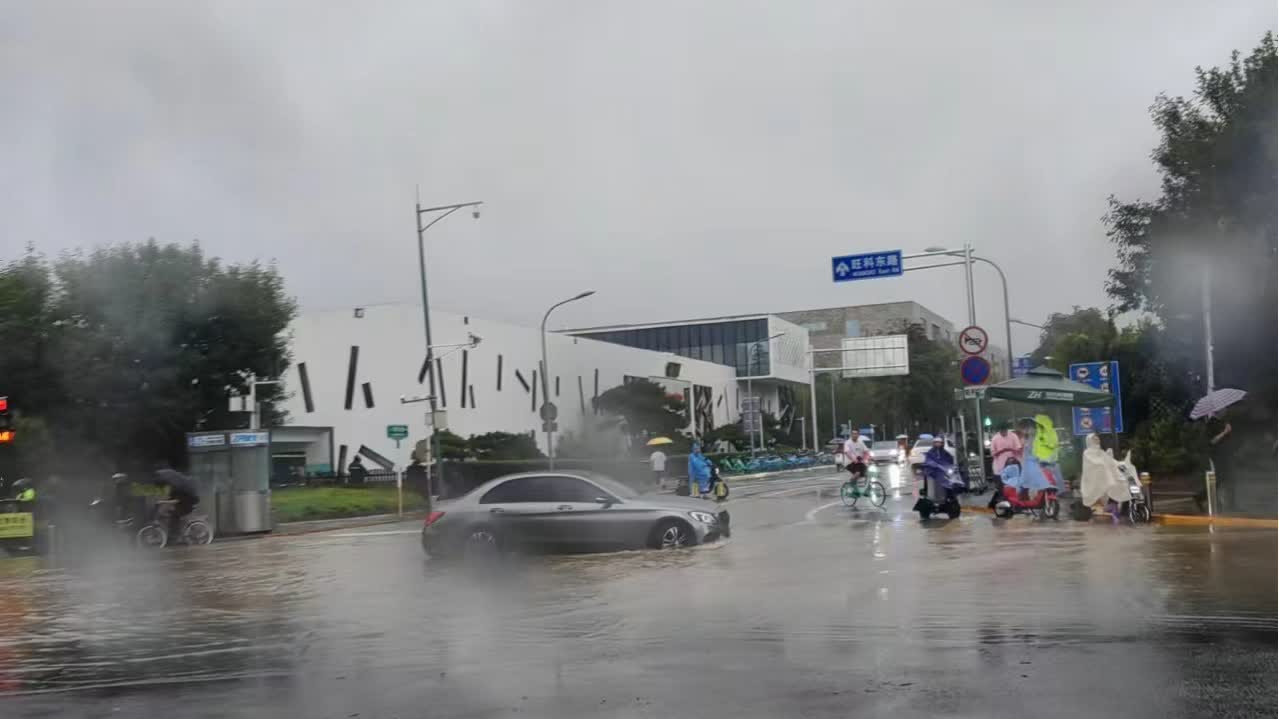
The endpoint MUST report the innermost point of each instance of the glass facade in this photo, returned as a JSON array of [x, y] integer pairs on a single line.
[[735, 343]]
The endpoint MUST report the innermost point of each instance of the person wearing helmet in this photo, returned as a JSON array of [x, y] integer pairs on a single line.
[[122, 497], [23, 491]]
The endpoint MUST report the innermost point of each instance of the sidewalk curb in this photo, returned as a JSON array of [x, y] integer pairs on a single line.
[[1195, 520], [1189, 520], [355, 523]]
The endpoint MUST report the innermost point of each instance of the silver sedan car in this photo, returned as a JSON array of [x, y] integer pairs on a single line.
[[567, 511]]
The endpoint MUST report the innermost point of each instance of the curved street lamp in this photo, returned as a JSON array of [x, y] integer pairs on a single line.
[[546, 371]]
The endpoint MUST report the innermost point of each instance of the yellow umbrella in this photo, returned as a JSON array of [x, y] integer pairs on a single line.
[[660, 440]]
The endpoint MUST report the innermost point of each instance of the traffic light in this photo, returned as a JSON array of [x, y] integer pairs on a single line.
[[6, 422], [987, 421]]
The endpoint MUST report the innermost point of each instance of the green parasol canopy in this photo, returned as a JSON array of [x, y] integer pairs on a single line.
[[1045, 385]]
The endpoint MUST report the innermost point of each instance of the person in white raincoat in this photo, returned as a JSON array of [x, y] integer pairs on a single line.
[[1100, 478]]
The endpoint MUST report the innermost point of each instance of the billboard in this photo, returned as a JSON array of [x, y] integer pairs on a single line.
[[1103, 420], [882, 356]]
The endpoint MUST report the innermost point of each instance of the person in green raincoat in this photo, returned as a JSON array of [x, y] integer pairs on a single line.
[[1046, 449]]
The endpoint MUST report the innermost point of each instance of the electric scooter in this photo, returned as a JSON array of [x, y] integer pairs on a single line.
[[1042, 504], [942, 487]]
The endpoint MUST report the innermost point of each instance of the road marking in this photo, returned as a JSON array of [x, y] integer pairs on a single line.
[[811, 515], [382, 533]]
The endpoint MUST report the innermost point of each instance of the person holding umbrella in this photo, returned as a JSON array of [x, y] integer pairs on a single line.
[[657, 460], [1222, 440]]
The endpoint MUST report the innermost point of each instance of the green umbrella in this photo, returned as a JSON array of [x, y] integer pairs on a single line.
[[1044, 385]]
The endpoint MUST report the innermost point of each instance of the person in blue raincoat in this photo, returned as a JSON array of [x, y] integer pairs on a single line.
[[699, 471], [936, 461]]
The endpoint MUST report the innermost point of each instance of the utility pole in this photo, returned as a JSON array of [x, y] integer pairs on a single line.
[[445, 211], [1206, 300]]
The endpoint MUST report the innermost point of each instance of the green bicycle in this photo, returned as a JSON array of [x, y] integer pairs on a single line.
[[858, 487]]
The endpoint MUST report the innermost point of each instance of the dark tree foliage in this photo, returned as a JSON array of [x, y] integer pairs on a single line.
[[646, 408], [122, 350], [1216, 215]]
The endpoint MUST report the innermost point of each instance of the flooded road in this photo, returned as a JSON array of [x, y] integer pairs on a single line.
[[809, 610]]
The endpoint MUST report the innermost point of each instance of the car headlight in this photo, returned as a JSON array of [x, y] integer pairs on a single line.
[[704, 517]]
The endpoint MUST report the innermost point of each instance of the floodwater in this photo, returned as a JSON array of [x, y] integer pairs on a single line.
[[809, 610]]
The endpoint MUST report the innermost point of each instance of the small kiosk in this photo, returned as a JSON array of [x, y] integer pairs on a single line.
[[233, 471]]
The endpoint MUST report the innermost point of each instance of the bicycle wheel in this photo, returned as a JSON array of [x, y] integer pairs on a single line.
[[875, 491], [198, 532], [848, 493], [152, 536]]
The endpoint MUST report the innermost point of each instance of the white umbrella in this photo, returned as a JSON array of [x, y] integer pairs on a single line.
[[1215, 401]]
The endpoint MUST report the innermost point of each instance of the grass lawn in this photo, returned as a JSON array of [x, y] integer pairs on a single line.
[[295, 504]]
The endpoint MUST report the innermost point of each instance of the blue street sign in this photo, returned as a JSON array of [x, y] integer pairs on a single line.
[[1021, 366], [866, 266], [974, 370], [1104, 376]]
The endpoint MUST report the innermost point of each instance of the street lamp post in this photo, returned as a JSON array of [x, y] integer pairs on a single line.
[[750, 369], [966, 252], [443, 211], [546, 371]]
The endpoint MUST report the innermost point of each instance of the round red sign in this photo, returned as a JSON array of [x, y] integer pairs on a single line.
[[973, 340]]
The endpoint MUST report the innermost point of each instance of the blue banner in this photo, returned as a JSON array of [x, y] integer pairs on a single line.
[[1102, 420]]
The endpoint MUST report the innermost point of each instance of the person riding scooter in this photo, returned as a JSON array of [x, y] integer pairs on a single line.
[[942, 483], [1028, 487]]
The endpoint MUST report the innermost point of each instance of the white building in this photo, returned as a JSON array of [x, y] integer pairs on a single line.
[[351, 367]]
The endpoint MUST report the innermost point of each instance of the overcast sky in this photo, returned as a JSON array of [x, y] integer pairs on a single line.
[[683, 159]]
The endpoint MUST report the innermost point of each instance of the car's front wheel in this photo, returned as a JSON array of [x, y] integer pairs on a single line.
[[671, 534]]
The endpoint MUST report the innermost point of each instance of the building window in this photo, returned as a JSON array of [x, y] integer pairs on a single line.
[[935, 334], [853, 328], [819, 327]]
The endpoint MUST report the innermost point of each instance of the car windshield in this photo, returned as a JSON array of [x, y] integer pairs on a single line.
[[923, 443], [884, 445]]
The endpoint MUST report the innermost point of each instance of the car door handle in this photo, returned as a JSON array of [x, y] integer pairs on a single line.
[[496, 510], [565, 508]]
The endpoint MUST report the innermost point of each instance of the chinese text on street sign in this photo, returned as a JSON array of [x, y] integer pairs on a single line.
[[397, 432], [1104, 376], [866, 266]]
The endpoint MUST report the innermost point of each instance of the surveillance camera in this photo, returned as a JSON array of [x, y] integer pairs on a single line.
[[475, 213], [403, 397]]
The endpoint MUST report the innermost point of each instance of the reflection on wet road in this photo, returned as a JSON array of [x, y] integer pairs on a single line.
[[808, 610]]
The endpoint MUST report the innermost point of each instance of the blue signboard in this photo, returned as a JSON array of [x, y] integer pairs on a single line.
[[866, 266], [974, 370], [250, 439], [1103, 376], [206, 440], [1021, 366]]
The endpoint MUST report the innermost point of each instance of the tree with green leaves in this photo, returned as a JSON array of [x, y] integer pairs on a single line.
[[123, 349], [645, 407], [919, 402], [1213, 227], [503, 445]]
